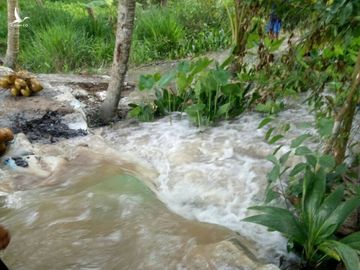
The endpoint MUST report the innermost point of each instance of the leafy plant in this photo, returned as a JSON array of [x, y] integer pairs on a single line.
[[205, 94], [315, 205], [313, 225]]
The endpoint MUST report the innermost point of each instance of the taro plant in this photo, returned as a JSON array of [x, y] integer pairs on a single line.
[[205, 94]]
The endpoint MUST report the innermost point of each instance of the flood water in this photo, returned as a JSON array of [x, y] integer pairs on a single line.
[[105, 220], [96, 215]]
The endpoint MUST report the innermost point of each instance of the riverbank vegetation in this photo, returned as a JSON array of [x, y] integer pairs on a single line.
[[316, 59]]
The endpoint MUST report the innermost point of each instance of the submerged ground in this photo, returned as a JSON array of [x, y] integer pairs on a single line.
[[75, 196]]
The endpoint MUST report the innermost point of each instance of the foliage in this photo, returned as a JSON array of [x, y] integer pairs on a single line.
[[178, 30], [314, 224], [205, 94], [317, 212], [173, 31]]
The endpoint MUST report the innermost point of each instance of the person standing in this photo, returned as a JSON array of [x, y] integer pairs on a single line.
[[274, 25]]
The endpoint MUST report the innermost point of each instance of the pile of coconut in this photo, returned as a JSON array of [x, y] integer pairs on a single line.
[[21, 84], [6, 135]]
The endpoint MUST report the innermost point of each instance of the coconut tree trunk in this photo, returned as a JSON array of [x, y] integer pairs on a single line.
[[12, 50], [337, 144], [125, 25]]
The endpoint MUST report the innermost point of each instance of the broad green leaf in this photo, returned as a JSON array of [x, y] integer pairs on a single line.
[[224, 109], [327, 161], [265, 121], [298, 168], [325, 126], [312, 160], [274, 174], [146, 82], [341, 169], [352, 240], [345, 252], [200, 65], [330, 203], [280, 220], [181, 81], [299, 140], [166, 79], [329, 251], [302, 151], [195, 108], [184, 66], [338, 216], [284, 158], [271, 195], [313, 193], [221, 76], [232, 89]]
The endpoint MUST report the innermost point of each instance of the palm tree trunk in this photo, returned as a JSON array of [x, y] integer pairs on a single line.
[[125, 25], [12, 50]]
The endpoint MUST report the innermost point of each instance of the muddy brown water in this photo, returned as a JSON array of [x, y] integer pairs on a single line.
[[100, 219]]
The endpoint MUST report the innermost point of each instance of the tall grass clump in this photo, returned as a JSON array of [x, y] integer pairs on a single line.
[[63, 37], [57, 48], [158, 34], [181, 29]]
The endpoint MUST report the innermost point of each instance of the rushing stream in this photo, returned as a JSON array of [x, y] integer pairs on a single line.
[[211, 175], [104, 220], [98, 216]]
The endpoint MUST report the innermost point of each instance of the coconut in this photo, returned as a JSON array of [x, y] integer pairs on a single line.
[[6, 135], [20, 84], [26, 92]]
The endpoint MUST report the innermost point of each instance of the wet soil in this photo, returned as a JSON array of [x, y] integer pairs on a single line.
[[93, 95]]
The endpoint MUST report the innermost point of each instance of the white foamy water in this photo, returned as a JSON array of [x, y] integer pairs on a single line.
[[211, 175]]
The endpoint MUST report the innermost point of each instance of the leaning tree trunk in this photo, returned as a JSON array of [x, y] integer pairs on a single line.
[[337, 144], [12, 50], [125, 25]]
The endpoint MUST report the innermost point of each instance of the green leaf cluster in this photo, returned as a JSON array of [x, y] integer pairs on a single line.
[[205, 93]]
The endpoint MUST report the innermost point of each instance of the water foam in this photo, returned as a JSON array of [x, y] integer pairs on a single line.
[[211, 175]]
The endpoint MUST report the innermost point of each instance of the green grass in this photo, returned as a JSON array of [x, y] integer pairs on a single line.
[[61, 37]]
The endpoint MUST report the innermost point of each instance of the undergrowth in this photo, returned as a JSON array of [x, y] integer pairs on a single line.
[[61, 36]]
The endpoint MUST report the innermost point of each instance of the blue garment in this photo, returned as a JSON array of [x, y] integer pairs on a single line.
[[277, 27], [274, 24]]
